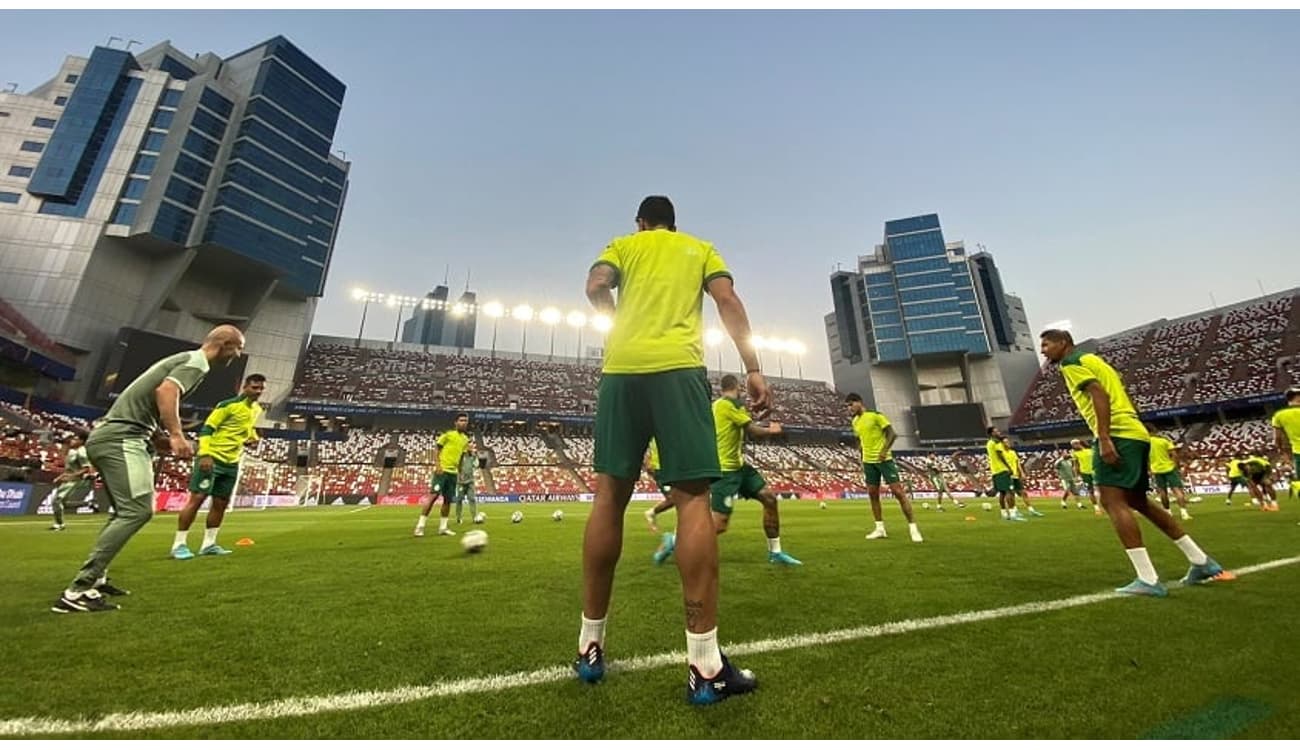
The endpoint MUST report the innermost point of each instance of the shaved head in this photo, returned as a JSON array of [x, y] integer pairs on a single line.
[[223, 344]]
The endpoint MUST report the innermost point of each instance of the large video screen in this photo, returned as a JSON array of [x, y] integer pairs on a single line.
[[949, 422], [136, 350]]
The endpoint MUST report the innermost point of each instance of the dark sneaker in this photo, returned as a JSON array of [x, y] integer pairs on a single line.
[[702, 691], [590, 666], [108, 589], [86, 601]]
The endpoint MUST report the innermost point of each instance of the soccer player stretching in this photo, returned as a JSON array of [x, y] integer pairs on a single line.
[[877, 436], [1123, 447]]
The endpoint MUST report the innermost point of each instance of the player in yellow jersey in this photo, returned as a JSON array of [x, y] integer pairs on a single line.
[[1237, 478], [1081, 451], [1259, 473], [1120, 458], [877, 437], [1002, 475], [1286, 432], [231, 427], [1018, 479], [654, 385], [447, 452], [1164, 469]]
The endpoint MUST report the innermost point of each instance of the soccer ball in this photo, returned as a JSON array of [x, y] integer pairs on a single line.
[[557, 515], [474, 541], [517, 517], [925, 505], [987, 506], [480, 517], [822, 505]]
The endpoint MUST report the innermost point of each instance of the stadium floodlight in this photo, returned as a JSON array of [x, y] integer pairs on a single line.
[[359, 294], [798, 350], [578, 321], [712, 338], [602, 322], [494, 309], [550, 316], [459, 309], [523, 314], [759, 342]]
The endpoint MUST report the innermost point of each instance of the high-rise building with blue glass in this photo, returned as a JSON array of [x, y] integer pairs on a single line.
[[911, 329], [166, 192]]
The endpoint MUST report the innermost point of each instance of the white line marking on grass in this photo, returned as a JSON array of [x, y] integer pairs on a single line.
[[358, 510], [360, 700]]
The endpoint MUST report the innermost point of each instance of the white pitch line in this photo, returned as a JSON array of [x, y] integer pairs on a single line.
[[361, 700]]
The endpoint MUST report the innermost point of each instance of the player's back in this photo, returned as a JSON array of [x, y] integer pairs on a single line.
[[658, 325]]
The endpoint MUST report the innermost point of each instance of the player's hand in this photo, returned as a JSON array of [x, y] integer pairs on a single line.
[[180, 447], [1108, 453], [774, 428], [760, 396], [205, 463]]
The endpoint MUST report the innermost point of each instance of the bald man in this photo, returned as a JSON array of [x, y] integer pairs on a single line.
[[120, 449]]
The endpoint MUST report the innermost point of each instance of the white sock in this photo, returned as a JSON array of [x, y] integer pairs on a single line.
[[880, 525], [419, 524], [593, 631], [1006, 513], [442, 524], [1194, 554], [774, 545], [210, 536], [702, 652], [1146, 571], [182, 539], [912, 528]]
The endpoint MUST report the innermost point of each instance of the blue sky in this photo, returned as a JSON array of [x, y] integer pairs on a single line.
[[1120, 166]]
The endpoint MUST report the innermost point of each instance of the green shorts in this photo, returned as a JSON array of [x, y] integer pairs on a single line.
[[1087, 481], [220, 482], [885, 470], [940, 484], [1068, 485], [1235, 482], [1018, 485], [674, 408], [444, 484], [1002, 482], [1131, 471], [1169, 480], [743, 484]]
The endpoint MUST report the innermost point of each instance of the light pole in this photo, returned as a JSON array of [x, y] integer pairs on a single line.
[[361, 295], [398, 301], [778, 346], [523, 314], [550, 316], [713, 338], [494, 310], [579, 321]]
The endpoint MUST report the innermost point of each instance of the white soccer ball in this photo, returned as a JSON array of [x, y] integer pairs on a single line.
[[480, 517], [558, 515], [474, 541], [822, 505], [925, 505], [987, 506], [517, 516]]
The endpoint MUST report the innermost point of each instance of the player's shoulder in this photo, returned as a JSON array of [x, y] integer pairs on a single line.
[[228, 402]]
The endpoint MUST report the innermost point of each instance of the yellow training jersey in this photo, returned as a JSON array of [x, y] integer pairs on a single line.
[[1162, 455], [997, 457], [1084, 457], [227, 428], [452, 445], [1079, 370], [870, 429], [658, 323], [729, 420], [1288, 421]]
